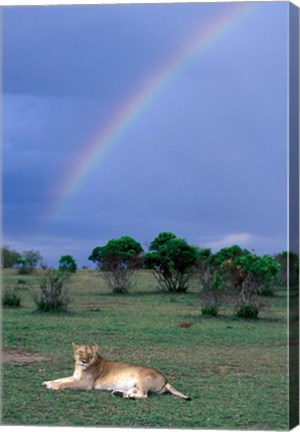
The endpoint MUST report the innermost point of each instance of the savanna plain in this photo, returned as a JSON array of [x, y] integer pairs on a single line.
[[235, 370]]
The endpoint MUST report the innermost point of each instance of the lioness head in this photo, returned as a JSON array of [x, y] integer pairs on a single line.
[[85, 355]]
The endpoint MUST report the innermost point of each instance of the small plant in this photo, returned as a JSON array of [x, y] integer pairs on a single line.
[[268, 290], [21, 282], [10, 298], [53, 295], [248, 311], [209, 310]]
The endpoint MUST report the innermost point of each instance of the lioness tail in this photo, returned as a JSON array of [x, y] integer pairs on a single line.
[[175, 392]]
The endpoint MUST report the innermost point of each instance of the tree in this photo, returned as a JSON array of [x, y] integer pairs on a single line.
[[240, 276], [119, 259], [256, 275], [172, 260], [9, 257], [161, 240], [29, 261], [67, 263], [228, 269], [216, 273]]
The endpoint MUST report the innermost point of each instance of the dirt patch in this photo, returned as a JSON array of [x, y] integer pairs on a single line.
[[19, 355], [186, 325]]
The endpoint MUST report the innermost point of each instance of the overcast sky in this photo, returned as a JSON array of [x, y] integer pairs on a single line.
[[205, 159]]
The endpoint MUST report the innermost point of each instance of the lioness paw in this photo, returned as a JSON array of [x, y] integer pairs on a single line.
[[50, 385]]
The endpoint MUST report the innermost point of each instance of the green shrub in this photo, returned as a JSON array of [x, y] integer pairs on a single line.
[[44, 305], [209, 310], [21, 282], [247, 311], [53, 294], [10, 298], [267, 291]]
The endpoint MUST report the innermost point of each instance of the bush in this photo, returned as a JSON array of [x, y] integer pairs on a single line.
[[247, 311], [209, 310], [21, 282], [53, 295], [44, 305], [268, 290], [10, 298]]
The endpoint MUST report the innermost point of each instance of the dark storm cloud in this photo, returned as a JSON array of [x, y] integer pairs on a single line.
[[206, 159], [87, 50]]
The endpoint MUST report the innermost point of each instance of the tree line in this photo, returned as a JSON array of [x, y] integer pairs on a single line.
[[27, 261], [232, 275]]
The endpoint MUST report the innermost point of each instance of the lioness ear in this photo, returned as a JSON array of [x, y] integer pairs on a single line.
[[74, 345], [95, 347]]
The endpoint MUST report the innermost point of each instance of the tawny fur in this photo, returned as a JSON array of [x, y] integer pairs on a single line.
[[95, 372]]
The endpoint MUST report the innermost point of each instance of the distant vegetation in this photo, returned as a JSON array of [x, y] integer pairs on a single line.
[[9, 257], [67, 264], [232, 276], [29, 261]]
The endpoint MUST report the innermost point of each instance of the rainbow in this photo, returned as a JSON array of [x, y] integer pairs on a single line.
[[108, 136]]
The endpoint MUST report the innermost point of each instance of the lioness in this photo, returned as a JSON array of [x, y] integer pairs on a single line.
[[93, 371]]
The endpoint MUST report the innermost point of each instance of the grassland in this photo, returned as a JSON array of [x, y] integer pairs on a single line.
[[234, 370]]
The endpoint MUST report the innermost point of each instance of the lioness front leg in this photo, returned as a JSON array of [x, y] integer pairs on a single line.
[[57, 384], [69, 382]]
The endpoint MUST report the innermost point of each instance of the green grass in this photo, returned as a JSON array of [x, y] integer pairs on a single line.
[[234, 370]]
